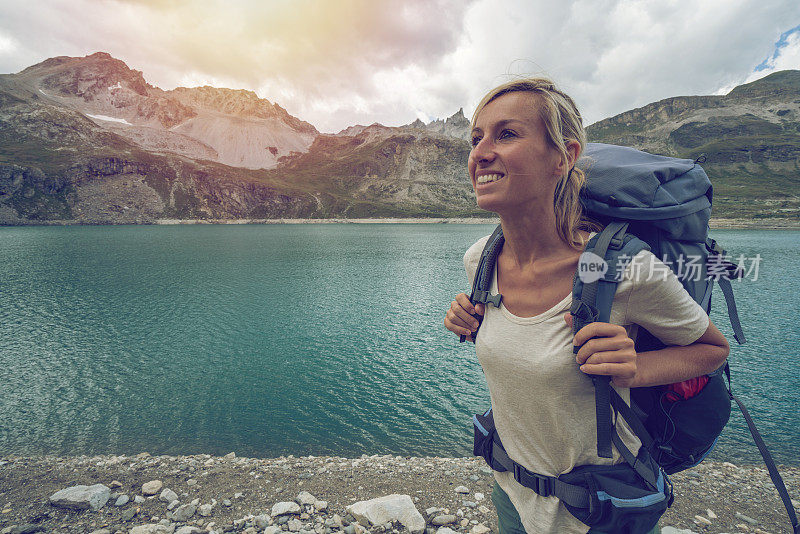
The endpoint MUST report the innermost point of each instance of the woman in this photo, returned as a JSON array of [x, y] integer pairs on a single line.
[[526, 137]]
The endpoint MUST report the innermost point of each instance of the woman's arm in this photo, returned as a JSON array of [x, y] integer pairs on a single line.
[[607, 350]]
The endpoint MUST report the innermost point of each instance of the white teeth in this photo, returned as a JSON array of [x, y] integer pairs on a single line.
[[486, 178]]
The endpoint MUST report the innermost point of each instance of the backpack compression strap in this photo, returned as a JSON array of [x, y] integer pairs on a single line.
[[592, 302], [777, 480], [482, 282], [723, 270]]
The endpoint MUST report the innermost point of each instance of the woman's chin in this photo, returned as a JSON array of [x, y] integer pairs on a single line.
[[485, 202]]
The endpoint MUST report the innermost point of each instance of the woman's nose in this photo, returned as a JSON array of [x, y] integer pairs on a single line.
[[483, 151]]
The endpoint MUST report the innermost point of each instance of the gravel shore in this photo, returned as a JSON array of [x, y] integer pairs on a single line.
[[225, 494]]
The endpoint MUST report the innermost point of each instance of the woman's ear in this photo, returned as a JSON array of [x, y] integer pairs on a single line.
[[573, 153]]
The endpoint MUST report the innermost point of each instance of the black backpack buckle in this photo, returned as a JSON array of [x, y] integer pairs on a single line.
[[485, 297], [540, 484]]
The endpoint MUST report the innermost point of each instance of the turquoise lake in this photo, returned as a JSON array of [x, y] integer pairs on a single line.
[[321, 339]]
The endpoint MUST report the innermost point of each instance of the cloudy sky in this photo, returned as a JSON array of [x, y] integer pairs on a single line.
[[336, 63]]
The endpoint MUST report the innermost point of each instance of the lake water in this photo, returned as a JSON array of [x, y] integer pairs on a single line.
[[297, 339]]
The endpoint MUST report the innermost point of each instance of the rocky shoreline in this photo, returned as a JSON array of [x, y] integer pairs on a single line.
[[318, 495]]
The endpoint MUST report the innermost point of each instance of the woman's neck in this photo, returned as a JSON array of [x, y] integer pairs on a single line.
[[532, 236]]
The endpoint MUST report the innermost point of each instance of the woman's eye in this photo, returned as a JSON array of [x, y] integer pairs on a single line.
[[506, 134], [475, 140]]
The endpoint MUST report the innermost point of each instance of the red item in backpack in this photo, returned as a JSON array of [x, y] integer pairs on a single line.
[[686, 389]]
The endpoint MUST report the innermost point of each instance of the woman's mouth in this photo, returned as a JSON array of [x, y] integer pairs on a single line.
[[488, 178]]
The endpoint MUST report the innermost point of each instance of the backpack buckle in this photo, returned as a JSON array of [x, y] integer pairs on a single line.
[[485, 297], [540, 484]]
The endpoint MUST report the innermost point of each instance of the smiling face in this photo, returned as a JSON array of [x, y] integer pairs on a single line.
[[512, 165]]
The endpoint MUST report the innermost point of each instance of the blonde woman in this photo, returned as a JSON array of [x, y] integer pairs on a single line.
[[526, 137]]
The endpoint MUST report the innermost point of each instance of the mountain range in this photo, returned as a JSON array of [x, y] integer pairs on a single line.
[[88, 140]]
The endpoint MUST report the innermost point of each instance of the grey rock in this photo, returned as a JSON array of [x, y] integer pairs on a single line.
[[152, 487], [274, 529], [205, 510], [350, 529], [191, 482], [81, 497], [227, 502], [745, 518], [138, 499], [152, 528], [294, 525], [261, 521], [122, 500], [168, 495], [189, 530], [183, 513], [441, 520], [283, 508], [321, 506], [480, 528], [173, 504], [462, 489], [387, 509], [673, 530], [128, 514], [470, 504], [28, 528], [304, 498], [445, 530], [101, 531]]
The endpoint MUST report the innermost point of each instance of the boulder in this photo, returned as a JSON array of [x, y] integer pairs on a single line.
[[167, 495], [183, 513], [283, 508], [304, 498], [152, 487], [81, 497], [152, 528], [441, 520], [387, 509]]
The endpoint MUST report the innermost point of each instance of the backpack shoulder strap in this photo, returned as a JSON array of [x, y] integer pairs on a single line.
[[482, 282], [592, 296]]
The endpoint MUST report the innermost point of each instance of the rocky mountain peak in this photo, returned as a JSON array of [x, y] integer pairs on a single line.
[[458, 116], [456, 125], [237, 102], [86, 77]]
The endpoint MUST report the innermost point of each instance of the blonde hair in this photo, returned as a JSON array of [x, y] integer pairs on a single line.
[[563, 123]]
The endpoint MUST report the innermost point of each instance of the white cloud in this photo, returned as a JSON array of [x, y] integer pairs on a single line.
[[8, 45], [786, 57], [335, 64]]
